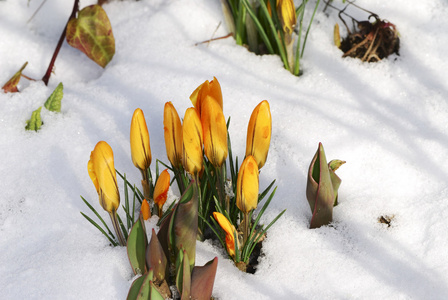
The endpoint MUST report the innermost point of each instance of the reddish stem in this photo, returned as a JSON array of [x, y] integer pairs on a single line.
[[47, 75]]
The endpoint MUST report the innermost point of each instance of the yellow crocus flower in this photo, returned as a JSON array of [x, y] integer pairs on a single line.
[[287, 15], [212, 89], [172, 128], [161, 189], [192, 142], [229, 230], [139, 137], [102, 172], [215, 131], [259, 133], [247, 185]]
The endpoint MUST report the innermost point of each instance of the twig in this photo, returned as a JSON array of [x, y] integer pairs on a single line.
[[37, 10], [47, 75]]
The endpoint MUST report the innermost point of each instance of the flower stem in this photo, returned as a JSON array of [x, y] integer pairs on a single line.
[[121, 239], [246, 228]]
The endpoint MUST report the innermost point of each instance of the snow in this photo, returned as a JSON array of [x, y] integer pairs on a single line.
[[388, 120]]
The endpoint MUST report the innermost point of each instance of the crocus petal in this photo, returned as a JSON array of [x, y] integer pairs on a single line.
[[287, 15], [214, 131], [139, 137], [146, 211], [192, 142], [173, 135], [259, 133], [208, 88], [247, 185], [101, 167], [161, 188], [229, 230]]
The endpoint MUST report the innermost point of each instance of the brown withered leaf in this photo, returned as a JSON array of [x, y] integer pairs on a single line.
[[91, 33], [11, 85]]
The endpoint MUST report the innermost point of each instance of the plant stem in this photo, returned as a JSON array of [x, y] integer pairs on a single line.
[[246, 228], [121, 239], [47, 75]]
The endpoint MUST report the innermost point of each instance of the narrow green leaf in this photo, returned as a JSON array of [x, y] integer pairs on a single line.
[[92, 34], [35, 122], [98, 216], [53, 102], [100, 229]]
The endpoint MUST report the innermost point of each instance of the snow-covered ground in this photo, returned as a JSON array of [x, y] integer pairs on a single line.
[[388, 120]]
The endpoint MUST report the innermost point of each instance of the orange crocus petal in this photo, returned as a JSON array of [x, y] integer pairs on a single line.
[[247, 185], [192, 142], [139, 138], [214, 131], [146, 212], [259, 133], [229, 230], [173, 135], [161, 188], [215, 91], [102, 172]]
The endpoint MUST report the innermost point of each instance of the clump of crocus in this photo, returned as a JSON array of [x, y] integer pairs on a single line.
[[102, 172], [266, 30], [161, 191], [322, 188], [141, 150]]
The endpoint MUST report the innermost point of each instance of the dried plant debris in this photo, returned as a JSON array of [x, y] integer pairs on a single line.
[[370, 40], [386, 220]]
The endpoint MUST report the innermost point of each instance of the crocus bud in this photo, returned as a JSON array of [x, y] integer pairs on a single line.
[[102, 172], [192, 142], [139, 136], [215, 132], [229, 230], [172, 128], [212, 89], [287, 15], [247, 185], [161, 189], [259, 133], [146, 211]]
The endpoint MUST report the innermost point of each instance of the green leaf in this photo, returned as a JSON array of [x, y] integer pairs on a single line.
[[92, 33], [136, 246], [183, 275], [145, 290], [202, 280], [135, 288], [53, 102], [35, 122]]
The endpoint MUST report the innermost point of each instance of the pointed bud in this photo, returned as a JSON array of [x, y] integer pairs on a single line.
[[172, 128], [192, 142], [146, 211], [214, 129], [102, 172], [247, 185], [230, 231], [161, 189], [287, 15], [259, 133], [139, 136]]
